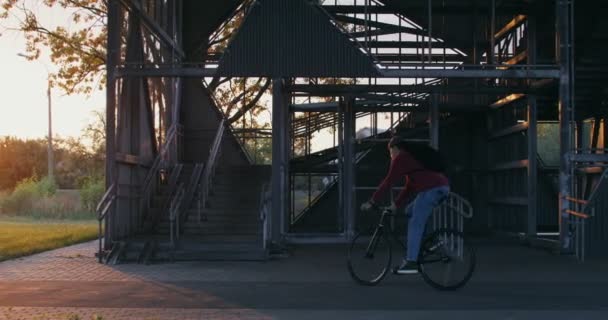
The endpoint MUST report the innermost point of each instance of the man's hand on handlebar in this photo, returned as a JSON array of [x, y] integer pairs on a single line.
[[368, 205], [392, 208]]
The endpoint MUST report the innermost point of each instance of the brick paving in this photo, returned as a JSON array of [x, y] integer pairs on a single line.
[[511, 282]]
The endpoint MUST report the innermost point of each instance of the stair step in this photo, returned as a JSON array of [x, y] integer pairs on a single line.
[[212, 247], [224, 218], [241, 195], [215, 223], [257, 255], [225, 212], [222, 229], [212, 232]]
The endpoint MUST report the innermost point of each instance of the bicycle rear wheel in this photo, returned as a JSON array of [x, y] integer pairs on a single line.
[[369, 258], [446, 260]]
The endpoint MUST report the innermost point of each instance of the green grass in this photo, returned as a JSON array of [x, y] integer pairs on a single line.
[[22, 236]]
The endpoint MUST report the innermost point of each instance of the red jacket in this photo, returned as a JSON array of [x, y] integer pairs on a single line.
[[418, 178]]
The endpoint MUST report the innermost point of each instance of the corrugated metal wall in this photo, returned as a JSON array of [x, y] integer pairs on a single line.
[[597, 226], [292, 39]]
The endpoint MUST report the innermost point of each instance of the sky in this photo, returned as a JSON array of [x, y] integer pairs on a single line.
[[23, 89], [23, 86]]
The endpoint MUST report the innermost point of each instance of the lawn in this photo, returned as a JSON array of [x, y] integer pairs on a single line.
[[21, 237]]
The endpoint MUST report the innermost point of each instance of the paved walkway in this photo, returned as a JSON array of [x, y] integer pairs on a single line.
[[511, 282]]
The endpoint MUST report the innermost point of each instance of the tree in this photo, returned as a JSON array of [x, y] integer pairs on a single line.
[[79, 54]]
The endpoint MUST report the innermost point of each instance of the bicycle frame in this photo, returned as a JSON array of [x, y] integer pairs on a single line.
[[379, 232]]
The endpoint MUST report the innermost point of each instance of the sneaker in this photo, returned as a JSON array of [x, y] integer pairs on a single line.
[[407, 267]]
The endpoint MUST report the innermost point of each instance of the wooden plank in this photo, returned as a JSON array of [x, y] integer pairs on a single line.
[[507, 100], [510, 165], [518, 58], [510, 26], [129, 159], [580, 201], [509, 131], [578, 214]]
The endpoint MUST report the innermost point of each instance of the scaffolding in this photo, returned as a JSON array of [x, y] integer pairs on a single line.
[[420, 69]]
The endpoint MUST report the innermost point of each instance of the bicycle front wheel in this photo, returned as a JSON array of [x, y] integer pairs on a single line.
[[369, 258], [446, 261]]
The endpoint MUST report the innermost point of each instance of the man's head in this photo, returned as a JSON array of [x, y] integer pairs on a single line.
[[395, 146]]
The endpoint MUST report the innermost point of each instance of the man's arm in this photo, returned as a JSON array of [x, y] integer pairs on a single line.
[[405, 192], [391, 178]]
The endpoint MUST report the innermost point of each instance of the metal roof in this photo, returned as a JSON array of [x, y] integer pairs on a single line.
[[293, 39]]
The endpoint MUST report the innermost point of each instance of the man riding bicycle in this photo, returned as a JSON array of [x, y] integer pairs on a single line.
[[424, 177]]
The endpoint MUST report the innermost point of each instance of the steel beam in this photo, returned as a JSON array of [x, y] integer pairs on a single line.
[[152, 26], [564, 54], [532, 133], [588, 157], [416, 9], [434, 121], [112, 58], [337, 90], [280, 151], [163, 71], [532, 73], [417, 44], [349, 166], [380, 25], [532, 166], [546, 72]]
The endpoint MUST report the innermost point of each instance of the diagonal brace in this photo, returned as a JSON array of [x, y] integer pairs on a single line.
[[158, 32]]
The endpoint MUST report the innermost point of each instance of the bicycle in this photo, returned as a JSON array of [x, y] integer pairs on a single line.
[[442, 249]]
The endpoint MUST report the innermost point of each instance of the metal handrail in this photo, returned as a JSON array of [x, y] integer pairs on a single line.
[[210, 166], [580, 213], [227, 124], [176, 203], [102, 209], [466, 210], [263, 213], [156, 165]]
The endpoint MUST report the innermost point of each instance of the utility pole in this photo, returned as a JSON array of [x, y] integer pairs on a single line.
[[50, 157]]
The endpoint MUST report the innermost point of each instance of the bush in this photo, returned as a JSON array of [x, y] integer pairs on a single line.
[[91, 192], [41, 199], [46, 187], [21, 200]]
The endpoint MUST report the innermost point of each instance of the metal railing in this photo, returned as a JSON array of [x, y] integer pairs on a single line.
[[209, 172], [151, 179], [102, 209], [227, 125], [581, 212], [174, 214], [264, 209], [450, 214]]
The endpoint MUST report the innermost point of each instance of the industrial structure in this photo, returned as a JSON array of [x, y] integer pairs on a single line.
[[513, 92]]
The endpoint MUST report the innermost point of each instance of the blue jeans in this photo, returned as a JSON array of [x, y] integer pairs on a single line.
[[419, 212]]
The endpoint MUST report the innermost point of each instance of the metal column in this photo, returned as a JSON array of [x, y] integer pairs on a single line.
[[280, 151], [349, 166], [532, 166], [531, 224], [434, 121], [112, 59], [564, 55], [113, 56]]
